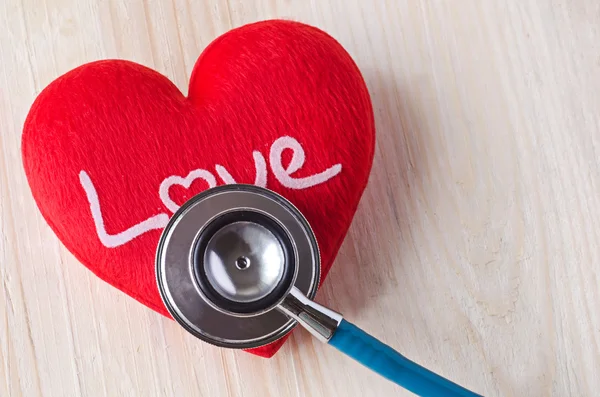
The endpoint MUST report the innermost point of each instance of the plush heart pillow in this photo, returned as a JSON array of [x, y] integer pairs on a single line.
[[111, 149]]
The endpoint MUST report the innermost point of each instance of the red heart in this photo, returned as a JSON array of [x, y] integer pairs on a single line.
[[101, 142]]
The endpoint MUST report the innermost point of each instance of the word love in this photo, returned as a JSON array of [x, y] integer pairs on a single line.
[[159, 221]]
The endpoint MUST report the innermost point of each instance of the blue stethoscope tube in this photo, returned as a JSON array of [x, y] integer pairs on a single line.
[[387, 362], [330, 327]]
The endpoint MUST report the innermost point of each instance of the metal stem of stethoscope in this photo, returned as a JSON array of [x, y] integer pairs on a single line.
[[318, 320], [237, 266]]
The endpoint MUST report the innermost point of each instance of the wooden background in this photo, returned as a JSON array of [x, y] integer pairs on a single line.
[[475, 250]]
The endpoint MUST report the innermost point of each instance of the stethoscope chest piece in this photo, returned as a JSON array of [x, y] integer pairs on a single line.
[[228, 257]]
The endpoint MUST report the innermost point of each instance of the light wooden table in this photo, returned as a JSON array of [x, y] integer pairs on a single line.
[[475, 250]]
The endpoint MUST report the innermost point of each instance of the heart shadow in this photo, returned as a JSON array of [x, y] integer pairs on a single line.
[[381, 228]]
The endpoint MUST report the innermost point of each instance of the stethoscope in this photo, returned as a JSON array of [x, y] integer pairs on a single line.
[[237, 267]]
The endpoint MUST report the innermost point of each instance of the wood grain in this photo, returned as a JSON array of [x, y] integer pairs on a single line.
[[476, 247]]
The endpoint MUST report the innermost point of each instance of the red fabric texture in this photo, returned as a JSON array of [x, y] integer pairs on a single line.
[[128, 127]]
